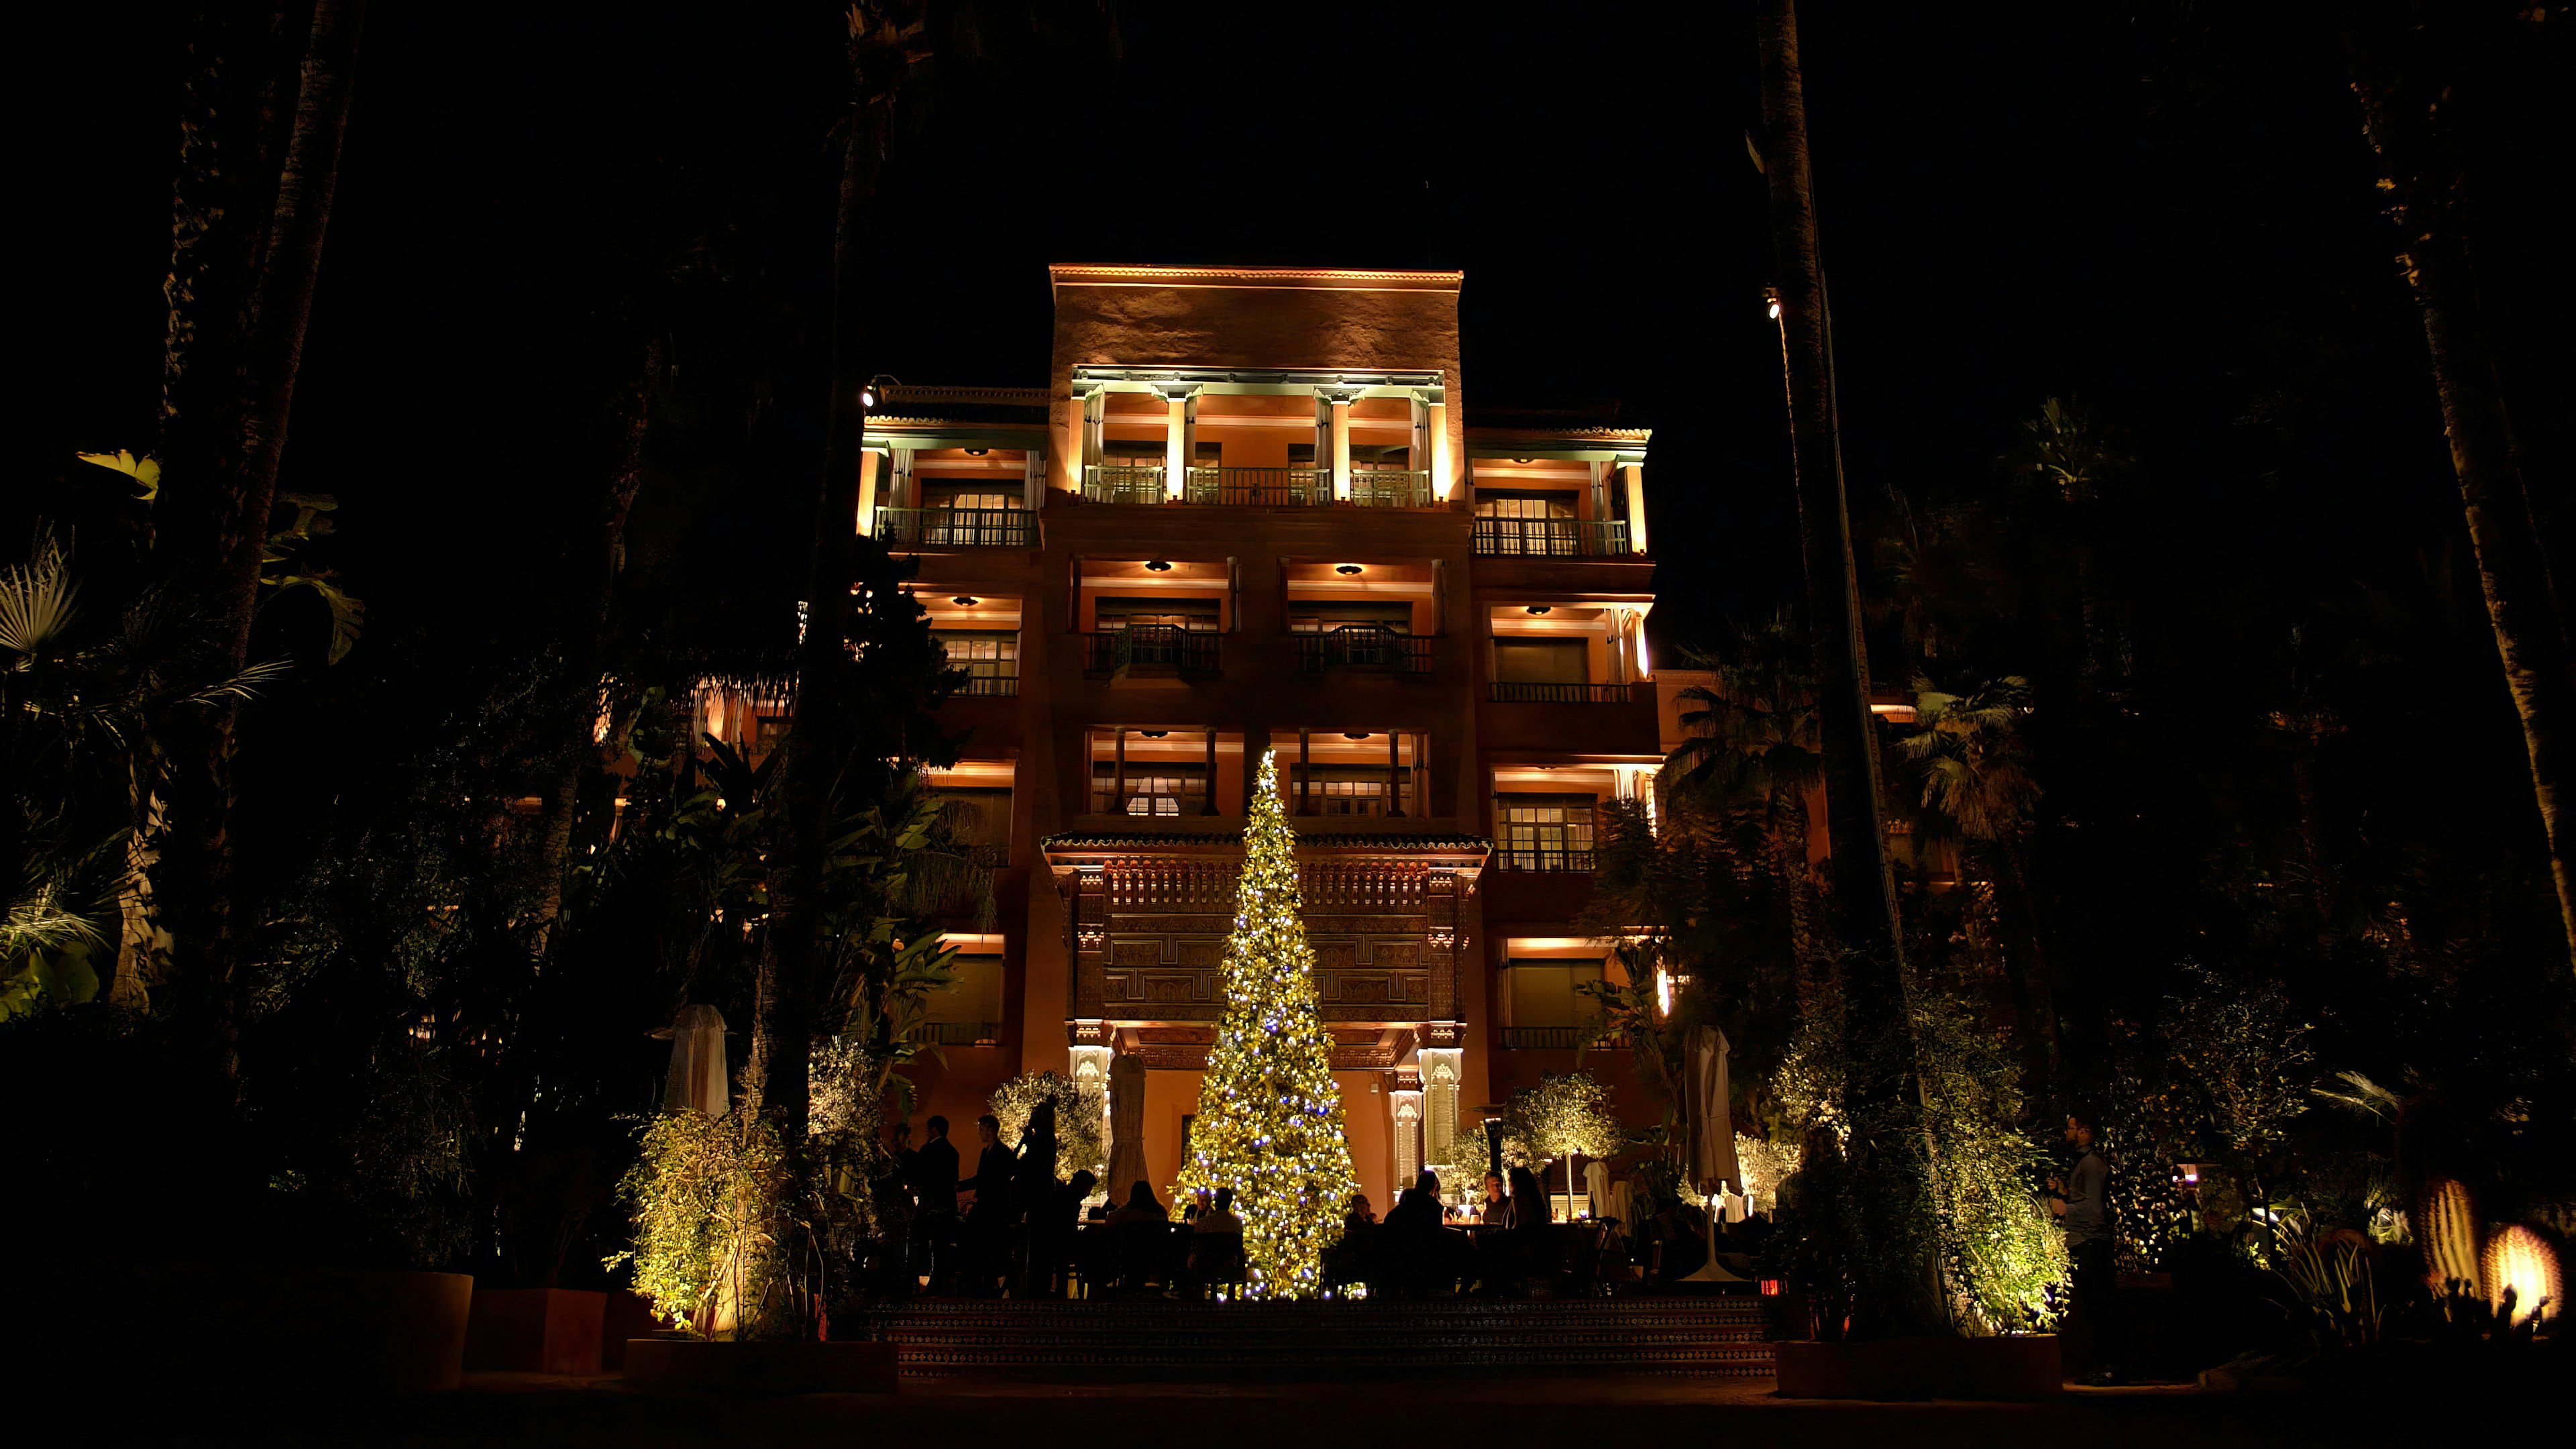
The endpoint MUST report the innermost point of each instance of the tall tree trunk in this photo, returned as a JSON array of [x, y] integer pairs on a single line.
[[1876, 1034], [819, 735], [229, 387], [2402, 116]]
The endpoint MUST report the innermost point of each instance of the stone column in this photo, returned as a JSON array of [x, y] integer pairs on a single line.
[[867, 490], [1443, 473], [1087, 1062], [1404, 1108], [1341, 450], [1635, 476], [1180, 429], [1441, 1069], [1088, 911]]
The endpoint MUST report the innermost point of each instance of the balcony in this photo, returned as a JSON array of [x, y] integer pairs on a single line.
[[1550, 1038], [988, 686], [1551, 538], [956, 1033], [1547, 859], [1102, 483], [1258, 487], [956, 528], [1372, 648], [1261, 487], [1514, 692], [1156, 648]]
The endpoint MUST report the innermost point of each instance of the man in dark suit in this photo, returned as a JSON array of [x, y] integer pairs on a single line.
[[934, 1187], [988, 1220]]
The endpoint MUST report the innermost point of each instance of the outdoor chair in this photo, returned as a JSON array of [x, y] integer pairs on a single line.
[[1216, 1261]]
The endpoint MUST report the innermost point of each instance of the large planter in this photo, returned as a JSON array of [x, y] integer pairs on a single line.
[[629, 1316], [535, 1330], [257, 1329], [2020, 1367], [690, 1365]]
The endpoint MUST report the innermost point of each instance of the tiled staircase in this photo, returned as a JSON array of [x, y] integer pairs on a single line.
[[1139, 1340]]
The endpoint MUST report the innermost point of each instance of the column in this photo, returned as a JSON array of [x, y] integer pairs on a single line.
[[1089, 1067], [1118, 775], [1095, 409], [1597, 504], [1404, 1109], [1341, 450], [1635, 476], [867, 490], [1176, 442], [1395, 774], [1033, 487], [1443, 476], [1210, 807], [1304, 775], [1442, 1068], [1088, 906]]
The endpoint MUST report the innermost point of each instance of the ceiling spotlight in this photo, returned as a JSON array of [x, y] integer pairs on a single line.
[[965, 601], [1525, 460], [1157, 566], [1355, 734], [977, 452], [1346, 569], [1539, 608], [1153, 734], [1771, 301]]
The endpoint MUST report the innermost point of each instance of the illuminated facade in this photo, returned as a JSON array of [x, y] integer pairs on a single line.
[[1251, 510]]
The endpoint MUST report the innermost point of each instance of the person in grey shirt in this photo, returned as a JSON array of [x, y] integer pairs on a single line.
[[2083, 1207]]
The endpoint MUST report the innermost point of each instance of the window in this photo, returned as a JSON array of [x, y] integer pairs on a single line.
[[1351, 790], [1491, 504], [1545, 832], [1547, 994], [1539, 661], [989, 828], [1153, 788], [982, 500], [1316, 616], [991, 659], [1120, 613], [969, 1012]]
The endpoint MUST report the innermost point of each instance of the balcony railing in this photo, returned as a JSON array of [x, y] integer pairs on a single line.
[[1390, 488], [1258, 487], [1544, 859], [1551, 537], [1150, 646], [1513, 692], [957, 1033], [991, 686], [1107, 483], [1261, 487], [956, 527], [1549, 1038], [1372, 647]]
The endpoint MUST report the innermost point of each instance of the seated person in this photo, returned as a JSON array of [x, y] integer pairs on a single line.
[[1142, 1207]]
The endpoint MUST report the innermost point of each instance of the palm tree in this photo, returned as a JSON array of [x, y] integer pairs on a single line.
[[1752, 742], [1974, 770]]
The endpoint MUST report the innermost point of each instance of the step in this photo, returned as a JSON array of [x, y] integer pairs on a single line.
[[1167, 1338]]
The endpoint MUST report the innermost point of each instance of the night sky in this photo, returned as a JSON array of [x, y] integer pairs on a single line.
[[2163, 209]]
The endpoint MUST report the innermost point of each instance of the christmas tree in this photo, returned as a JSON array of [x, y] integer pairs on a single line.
[[1270, 1117]]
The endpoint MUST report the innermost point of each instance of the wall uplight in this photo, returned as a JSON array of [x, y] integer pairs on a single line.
[[1157, 566]]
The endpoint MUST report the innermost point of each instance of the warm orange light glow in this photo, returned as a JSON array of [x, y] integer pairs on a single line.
[[2519, 1262]]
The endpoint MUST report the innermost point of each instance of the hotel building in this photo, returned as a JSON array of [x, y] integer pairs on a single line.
[[1254, 509]]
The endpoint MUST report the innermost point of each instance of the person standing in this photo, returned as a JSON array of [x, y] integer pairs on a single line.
[[934, 1191], [2083, 1207], [990, 1213]]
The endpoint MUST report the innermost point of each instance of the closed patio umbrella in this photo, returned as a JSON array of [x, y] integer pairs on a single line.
[[1126, 1124], [1713, 1167], [699, 1080]]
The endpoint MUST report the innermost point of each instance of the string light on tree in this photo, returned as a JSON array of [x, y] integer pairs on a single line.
[[1270, 1116]]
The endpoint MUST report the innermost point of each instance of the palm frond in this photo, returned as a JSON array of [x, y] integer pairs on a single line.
[[38, 601]]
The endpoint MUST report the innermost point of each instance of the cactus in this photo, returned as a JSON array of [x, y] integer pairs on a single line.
[[2448, 1232], [2519, 1262]]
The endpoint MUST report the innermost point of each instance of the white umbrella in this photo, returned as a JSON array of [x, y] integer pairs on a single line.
[[1713, 1167], [698, 1081]]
